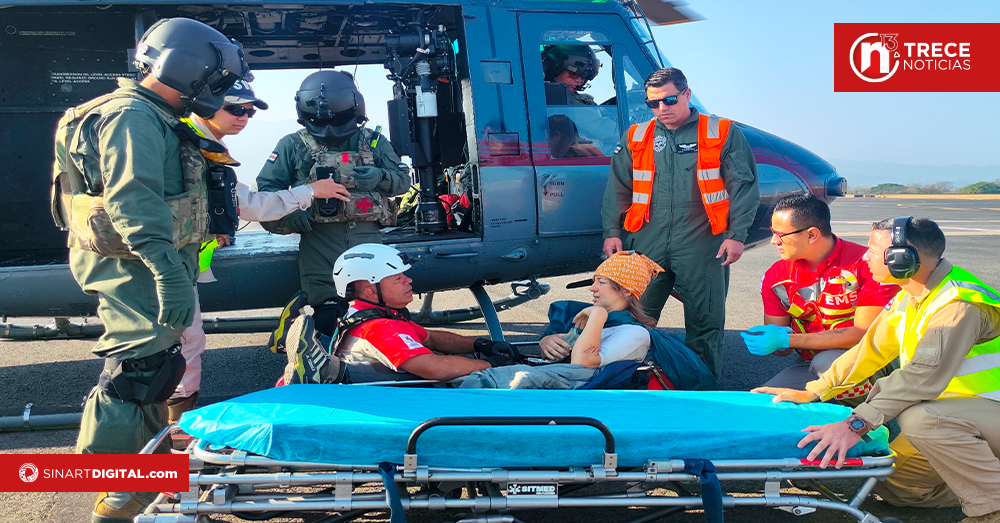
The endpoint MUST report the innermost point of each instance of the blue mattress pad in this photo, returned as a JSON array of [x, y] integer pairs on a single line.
[[362, 425]]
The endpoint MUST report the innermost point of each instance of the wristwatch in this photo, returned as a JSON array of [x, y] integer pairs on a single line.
[[858, 426]]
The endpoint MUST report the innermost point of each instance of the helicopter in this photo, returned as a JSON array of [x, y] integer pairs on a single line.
[[471, 110]]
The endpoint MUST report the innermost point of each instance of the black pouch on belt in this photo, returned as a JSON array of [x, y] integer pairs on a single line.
[[223, 217], [144, 381]]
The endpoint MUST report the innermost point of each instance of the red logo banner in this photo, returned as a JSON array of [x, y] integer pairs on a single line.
[[916, 58], [93, 472]]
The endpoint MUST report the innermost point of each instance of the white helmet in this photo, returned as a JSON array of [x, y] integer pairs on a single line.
[[370, 262]]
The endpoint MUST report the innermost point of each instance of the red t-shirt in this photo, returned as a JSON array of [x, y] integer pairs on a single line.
[[826, 298], [390, 342]]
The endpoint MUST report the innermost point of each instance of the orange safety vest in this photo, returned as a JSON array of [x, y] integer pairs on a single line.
[[712, 134]]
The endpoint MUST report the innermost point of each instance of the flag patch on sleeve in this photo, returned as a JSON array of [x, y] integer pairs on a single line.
[[273, 157]]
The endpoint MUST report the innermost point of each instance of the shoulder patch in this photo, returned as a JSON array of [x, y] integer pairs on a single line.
[[410, 342], [617, 148], [273, 157]]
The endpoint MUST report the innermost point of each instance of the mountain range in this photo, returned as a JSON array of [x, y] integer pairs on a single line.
[[869, 173]]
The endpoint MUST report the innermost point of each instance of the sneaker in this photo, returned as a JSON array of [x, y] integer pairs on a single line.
[[309, 362], [276, 343]]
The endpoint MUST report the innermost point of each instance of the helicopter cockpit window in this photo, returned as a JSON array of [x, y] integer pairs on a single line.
[[635, 94], [580, 96]]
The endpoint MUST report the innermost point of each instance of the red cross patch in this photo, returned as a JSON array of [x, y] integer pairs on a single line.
[[364, 205]]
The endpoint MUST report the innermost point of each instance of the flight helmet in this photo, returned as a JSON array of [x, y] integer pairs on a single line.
[[579, 59], [194, 59], [370, 262], [329, 104]]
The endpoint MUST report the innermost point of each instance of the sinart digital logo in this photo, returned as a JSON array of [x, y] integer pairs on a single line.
[[28, 472], [881, 46]]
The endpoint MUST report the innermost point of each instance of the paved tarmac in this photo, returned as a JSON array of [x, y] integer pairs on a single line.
[[59, 372]]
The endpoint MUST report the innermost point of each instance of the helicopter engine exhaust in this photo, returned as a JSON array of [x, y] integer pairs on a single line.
[[417, 60]]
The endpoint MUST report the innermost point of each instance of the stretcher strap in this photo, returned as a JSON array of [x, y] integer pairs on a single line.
[[711, 491], [396, 513]]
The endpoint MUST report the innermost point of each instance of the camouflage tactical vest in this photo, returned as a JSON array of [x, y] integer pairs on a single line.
[[78, 208], [364, 206]]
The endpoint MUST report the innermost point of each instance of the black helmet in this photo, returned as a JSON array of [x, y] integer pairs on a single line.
[[330, 105], [579, 59], [194, 59]]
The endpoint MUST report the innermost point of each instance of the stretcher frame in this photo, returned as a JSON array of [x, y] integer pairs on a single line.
[[227, 481]]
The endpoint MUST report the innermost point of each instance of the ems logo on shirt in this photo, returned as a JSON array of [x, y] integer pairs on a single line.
[[659, 143], [273, 157], [915, 57]]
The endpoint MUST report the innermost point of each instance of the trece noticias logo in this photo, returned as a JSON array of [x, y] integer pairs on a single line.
[[915, 57]]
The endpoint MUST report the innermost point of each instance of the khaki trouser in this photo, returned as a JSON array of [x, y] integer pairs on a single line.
[[948, 453], [193, 343]]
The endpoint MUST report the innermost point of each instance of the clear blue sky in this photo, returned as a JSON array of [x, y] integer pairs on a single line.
[[768, 63]]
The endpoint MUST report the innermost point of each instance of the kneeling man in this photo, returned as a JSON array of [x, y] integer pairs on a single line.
[[945, 329]]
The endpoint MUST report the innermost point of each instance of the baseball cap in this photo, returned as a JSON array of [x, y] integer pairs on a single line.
[[242, 93]]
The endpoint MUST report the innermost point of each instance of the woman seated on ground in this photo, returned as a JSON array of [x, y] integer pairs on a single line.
[[614, 328], [607, 331]]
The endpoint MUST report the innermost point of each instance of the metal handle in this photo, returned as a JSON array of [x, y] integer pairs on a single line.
[[609, 439]]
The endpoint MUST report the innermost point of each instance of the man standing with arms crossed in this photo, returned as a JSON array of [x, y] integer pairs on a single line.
[[945, 328], [684, 185], [131, 190]]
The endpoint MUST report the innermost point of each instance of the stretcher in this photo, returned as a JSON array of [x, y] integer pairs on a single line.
[[491, 454]]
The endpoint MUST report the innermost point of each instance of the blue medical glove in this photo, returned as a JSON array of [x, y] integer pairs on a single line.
[[765, 339], [366, 177]]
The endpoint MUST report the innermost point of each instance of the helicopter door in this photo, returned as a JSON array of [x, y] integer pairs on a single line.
[[574, 134]]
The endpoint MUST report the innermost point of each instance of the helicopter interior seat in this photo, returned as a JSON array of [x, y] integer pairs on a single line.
[[556, 93]]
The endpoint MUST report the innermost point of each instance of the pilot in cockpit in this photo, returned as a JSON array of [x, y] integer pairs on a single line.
[[572, 66]]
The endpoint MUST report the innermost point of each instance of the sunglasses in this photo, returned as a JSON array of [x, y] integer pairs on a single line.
[[668, 101], [239, 111]]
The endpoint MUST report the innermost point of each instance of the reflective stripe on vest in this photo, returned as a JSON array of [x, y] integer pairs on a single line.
[[640, 142], [979, 373], [712, 134]]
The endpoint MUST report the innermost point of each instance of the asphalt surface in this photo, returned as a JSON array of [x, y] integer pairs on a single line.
[[60, 372]]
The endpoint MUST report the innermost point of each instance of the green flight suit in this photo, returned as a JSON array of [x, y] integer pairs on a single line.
[[679, 236], [289, 166], [578, 98], [133, 159]]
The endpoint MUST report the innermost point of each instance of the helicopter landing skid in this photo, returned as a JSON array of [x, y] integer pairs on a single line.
[[521, 292]]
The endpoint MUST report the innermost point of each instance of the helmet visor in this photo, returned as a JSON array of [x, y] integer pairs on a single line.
[[232, 67], [334, 119]]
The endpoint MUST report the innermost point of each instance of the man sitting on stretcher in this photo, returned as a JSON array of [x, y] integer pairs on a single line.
[[377, 341]]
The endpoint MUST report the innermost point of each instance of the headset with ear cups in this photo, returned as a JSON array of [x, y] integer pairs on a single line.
[[901, 258]]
